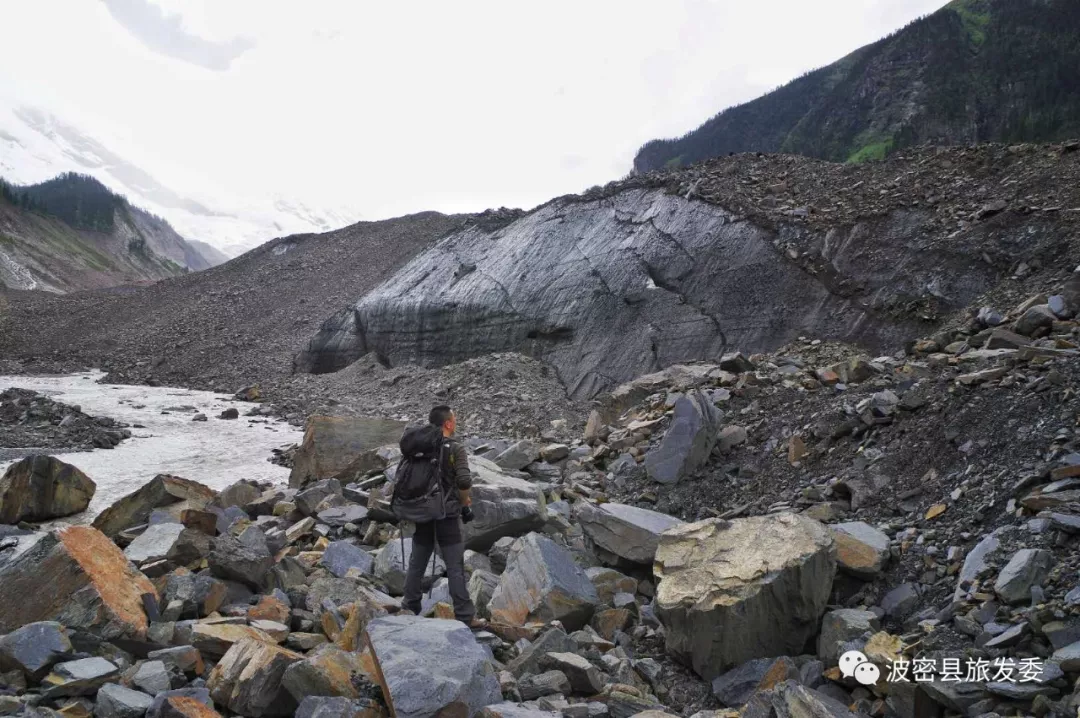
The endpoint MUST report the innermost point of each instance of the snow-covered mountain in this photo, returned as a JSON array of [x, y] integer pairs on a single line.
[[36, 145]]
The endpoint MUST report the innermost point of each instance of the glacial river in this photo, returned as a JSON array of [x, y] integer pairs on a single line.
[[216, 452]]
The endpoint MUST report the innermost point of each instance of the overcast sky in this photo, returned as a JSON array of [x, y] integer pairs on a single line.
[[394, 107]]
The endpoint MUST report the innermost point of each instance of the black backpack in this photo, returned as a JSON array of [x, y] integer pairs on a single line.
[[419, 491]]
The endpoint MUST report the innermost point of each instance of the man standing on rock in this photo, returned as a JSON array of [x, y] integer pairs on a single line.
[[432, 491]]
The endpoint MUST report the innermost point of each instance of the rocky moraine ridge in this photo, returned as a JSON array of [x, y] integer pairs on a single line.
[[748, 251]]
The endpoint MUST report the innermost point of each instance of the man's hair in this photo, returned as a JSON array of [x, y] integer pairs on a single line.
[[440, 415]]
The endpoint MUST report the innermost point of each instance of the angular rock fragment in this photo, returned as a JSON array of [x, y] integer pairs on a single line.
[[235, 561], [341, 556], [542, 583], [840, 627], [34, 648], [1027, 568], [116, 701], [503, 506], [171, 493], [327, 671], [732, 591], [861, 549], [78, 678], [629, 532], [332, 443], [430, 667], [247, 679], [688, 441], [41, 487]]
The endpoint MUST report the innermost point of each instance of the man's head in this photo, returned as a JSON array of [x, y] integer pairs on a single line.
[[443, 417]]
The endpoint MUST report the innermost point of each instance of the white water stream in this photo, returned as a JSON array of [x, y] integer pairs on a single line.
[[217, 452]]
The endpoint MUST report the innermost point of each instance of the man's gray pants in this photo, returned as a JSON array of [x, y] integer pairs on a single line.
[[452, 546]]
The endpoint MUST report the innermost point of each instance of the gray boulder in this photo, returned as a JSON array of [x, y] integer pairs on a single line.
[[976, 561], [232, 560], [518, 456], [34, 649], [1028, 567], [155, 543], [585, 678], [41, 487], [1034, 319], [340, 556], [688, 441], [548, 683], [732, 591], [482, 585], [901, 601], [431, 667], [79, 678], [626, 531], [392, 562], [308, 500], [503, 506], [542, 583], [839, 628], [152, 677], [531, 658], [116, 701]]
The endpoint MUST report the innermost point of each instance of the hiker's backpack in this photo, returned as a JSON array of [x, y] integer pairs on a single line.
[[420, 493]]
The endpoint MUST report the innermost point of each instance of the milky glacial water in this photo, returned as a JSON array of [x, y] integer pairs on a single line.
[[217, 452]]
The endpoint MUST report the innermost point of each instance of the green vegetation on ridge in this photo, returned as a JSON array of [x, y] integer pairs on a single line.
[[975, 71]]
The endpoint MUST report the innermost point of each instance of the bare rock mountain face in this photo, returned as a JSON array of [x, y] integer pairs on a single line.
[[633, 278]]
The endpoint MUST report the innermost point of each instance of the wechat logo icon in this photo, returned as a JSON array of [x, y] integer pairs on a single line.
[[854, 663]]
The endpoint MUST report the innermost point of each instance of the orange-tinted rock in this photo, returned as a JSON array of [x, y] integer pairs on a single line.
[[611, 620], [78, 577], [248, 679], [215, 639], [269, 609], [327, 671], [185, 707]]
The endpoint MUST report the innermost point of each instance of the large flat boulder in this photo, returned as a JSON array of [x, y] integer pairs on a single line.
[[247, 679], [332, 443], [503, 505], [542, 583], [40, 488], [688, 441], [171, 493], [429, 667], [732, 591], [79, 578], [626, 531]]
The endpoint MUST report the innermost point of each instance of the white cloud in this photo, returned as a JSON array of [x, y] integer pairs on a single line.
[[397, 107]]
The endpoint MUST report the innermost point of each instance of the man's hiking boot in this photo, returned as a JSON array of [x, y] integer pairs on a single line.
[[477, 624]]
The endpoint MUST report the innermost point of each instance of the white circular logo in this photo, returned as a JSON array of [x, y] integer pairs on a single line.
[[854, 663]]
